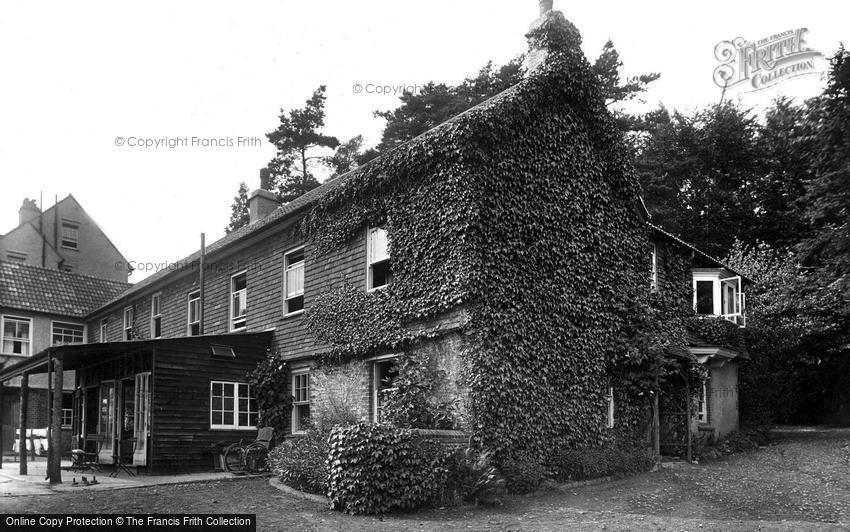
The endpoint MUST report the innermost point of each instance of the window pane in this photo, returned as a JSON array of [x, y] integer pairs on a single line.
[[295, 304], [705, 297], [381, 274], [378, 245], [240, 282], [227, 418], [295, 280]]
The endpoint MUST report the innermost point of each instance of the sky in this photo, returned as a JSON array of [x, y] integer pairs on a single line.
[[76, 76]]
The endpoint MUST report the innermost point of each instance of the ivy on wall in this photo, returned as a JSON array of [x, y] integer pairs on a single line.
[[274, 399], [524, 209], [717, 331]]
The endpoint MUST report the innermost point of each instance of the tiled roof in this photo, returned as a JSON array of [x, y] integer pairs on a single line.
[[30, 288], [306, 200], [696, 250]]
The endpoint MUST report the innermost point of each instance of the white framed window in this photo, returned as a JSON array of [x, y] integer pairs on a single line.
[[704, 297], [232, 406], [238, 301], [156, 315], [67, 410], [15, 335], [609, 400], [293, 281], [715, 295], [104, 323], [654, 268], [378, 273], [300, 400], [193, 313], [129, 321], [732, 299], [702, 408], [62, 333], [70, 235], [384, 372]]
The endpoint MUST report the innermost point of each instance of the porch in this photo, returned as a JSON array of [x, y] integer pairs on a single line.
[[144, 405]]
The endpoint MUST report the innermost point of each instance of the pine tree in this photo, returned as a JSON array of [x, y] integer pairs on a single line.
[[299, 142], [239, 216]]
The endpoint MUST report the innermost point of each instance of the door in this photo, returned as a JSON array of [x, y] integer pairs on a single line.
[[106, 422], [141, 430]]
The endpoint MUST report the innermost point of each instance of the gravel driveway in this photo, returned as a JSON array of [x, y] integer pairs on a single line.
[[802, 482]]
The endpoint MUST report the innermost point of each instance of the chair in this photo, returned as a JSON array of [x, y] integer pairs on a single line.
[[124, 457], [86, 458], [264, 437]]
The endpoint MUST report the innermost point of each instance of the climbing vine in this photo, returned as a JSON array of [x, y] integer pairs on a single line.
[[525, 211], [274, 399]]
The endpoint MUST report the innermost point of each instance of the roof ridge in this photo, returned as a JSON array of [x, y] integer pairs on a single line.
[[306, 199], [61, 272]]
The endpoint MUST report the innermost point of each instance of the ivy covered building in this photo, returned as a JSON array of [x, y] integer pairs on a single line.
[[496, 275]]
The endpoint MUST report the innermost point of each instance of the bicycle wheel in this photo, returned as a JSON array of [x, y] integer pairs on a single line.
[[234, 459], [256, 459]]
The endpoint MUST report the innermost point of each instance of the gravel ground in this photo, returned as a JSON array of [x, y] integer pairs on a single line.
[[802, 482]]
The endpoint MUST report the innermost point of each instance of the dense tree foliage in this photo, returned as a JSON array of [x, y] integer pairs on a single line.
[[299, 143], [437, 102], [773, 195]]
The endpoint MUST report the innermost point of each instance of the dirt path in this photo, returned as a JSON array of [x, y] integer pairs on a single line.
[[800, 483]]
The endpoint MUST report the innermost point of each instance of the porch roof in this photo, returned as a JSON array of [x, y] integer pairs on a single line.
[[78, 355]]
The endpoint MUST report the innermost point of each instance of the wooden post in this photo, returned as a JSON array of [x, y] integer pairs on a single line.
[[656, 420], [48, 407], [201, 295], [1, 424], [22, 438], [54, 468], [688, 415]]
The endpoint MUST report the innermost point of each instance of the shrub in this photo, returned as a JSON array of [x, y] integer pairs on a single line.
[[373, 469], [338, 389], [300, 462], [472, 478], [412, 401], [522, 475], [585, 464]]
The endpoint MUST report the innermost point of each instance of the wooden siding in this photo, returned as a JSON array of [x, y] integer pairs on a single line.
[[182, 439], [262, 258]]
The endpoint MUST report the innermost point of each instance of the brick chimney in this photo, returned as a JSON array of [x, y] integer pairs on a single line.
[[28, 211], [550, 39], [261, 202]]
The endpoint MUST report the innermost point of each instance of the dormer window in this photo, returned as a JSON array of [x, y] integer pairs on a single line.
[[716, 293]]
